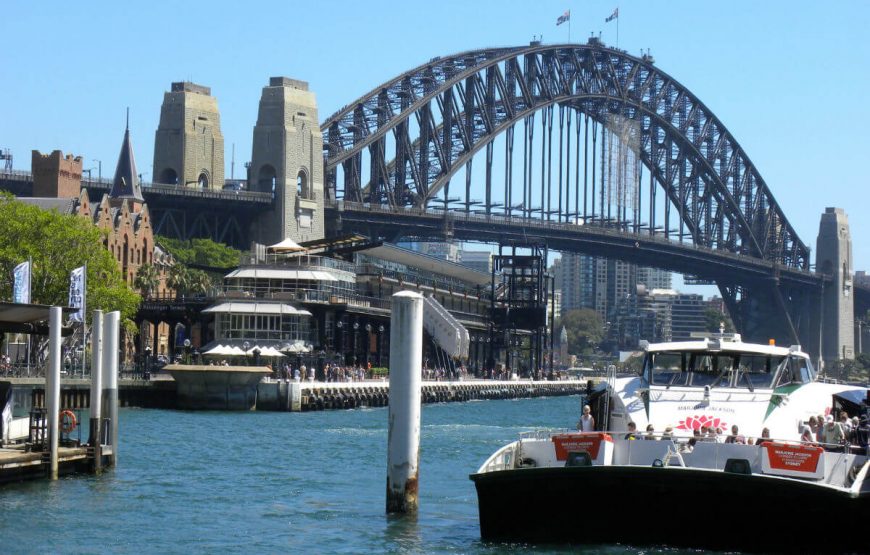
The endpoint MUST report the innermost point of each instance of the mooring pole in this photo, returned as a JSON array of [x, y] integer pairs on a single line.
[[96, 388], [52, 386], [110, 378], [403, 443]]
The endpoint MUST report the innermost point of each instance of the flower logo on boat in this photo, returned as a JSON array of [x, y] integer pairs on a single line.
[[698, 421]]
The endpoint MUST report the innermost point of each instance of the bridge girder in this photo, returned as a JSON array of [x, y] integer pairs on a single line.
[[442, 113]]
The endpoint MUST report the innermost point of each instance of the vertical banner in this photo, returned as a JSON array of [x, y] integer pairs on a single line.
[[21, 285], [77, 293]]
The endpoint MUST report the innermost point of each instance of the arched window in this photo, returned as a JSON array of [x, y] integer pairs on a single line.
[[202, 182], [266, 179], [302, 189], [168, 176]]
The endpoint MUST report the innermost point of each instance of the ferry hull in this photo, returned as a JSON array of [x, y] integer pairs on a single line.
[[684, 507]]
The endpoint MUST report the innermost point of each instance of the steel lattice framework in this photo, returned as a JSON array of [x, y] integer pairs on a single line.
[[420, 128]]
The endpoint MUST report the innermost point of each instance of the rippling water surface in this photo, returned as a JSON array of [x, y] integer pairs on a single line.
[[220, 482]]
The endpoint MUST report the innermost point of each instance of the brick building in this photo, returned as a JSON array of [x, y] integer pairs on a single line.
[[56, 175]]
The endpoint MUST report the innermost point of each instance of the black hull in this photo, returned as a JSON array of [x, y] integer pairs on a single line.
[[660, 506]]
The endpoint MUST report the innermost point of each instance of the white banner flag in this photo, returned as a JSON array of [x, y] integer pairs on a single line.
[[77, 293], [21, 286]]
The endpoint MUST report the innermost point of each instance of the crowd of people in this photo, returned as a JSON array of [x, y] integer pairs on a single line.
[[842, 434]]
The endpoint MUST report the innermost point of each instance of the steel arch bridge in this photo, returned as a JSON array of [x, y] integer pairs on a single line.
[[400, 145]]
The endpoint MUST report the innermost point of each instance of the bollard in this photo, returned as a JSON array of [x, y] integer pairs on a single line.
[[111, 326], [403, 443], [52, 387], [96, 388]]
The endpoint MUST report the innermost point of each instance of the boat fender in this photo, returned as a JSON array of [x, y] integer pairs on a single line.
[[68, 421]]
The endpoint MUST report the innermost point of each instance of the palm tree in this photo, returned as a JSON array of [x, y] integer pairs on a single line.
[[179, 278], [199, 282], [147, 280]]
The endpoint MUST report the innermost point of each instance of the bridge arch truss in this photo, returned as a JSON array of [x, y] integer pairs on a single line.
[[402, 144]]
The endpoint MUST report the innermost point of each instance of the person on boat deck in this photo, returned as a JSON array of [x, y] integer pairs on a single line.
[[820, 434], [806, 433], [586, 422], [834, 435], [765, 436], [669, 434], [650, 432], [632, 431], [735, 436], [814, 426]]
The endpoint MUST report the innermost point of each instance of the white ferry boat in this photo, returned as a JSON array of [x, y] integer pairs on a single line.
[[685, 487]]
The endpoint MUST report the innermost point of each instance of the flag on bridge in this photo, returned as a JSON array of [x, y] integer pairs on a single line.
[[563, 18], [77, 284], [21, 283], [613, 16]]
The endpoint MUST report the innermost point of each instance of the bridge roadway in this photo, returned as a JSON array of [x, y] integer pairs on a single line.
[[383, 221], [20, 183]]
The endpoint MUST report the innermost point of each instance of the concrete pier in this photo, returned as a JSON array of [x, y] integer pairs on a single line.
[[216, 387]]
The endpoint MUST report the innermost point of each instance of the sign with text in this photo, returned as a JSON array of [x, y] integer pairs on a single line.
[[77, 283], [589, 442], [787, 459]]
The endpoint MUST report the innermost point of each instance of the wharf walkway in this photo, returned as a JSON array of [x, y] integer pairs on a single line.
[[160, 391], [313, 396]]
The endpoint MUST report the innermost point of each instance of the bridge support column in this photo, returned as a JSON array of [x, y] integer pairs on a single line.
[[837, 309]]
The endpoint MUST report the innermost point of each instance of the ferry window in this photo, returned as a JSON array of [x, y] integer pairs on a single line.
[[756, 370], [797, 371], [667, 368]]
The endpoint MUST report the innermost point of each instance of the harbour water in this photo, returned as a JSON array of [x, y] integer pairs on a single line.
[[262, 482]]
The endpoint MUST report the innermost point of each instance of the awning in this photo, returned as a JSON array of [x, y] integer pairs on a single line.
[[277, 273], [287, 245], [256, 308], [297, 348], [270, 352], [218, 350]]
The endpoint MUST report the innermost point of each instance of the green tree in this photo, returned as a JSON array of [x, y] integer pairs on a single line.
[[179, 278], [199, 282], [147, 279], [713, 320], [202, 252], [57, 244], [585, 330]]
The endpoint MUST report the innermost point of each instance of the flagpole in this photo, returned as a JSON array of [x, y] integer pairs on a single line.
[[84, 316], [617, 26], [29, 300], [569, 25]]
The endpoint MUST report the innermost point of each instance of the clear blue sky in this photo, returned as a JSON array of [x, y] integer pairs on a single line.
[[788, 78]]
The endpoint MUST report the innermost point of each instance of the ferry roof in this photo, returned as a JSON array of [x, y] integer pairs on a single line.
[[725, 345]]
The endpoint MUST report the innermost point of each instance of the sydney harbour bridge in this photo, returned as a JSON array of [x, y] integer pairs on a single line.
[[581, 147]]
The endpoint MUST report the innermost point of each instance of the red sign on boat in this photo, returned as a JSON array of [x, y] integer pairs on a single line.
[[589, 442], [788, 459]]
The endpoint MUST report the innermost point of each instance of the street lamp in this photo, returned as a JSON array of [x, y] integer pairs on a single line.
[[245, 347], [187, 351]]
